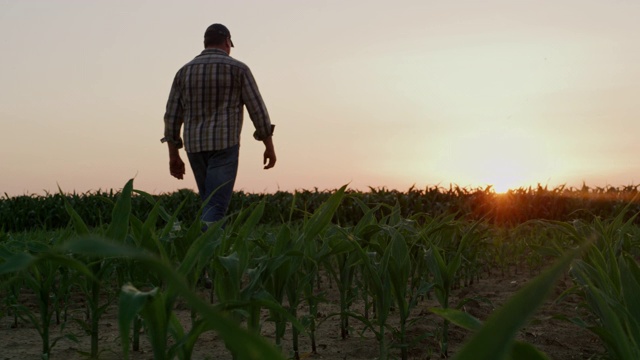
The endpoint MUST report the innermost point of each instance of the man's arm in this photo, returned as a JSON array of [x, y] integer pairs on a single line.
[[173, 119], [269, 153], [260, 117], [256, 108]]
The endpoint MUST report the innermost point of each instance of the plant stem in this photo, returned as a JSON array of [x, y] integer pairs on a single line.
[[95, 299]]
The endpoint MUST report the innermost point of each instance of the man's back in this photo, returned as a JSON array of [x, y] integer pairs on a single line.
[[209, 93]]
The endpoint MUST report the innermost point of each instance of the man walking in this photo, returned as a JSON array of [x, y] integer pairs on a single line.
[[208, 95]]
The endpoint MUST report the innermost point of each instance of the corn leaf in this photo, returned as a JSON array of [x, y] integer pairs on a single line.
[[119, 226]]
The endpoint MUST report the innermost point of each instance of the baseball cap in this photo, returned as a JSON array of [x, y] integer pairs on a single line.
[[218, 29]]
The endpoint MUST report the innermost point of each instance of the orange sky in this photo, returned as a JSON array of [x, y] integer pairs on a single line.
[[370, 93]]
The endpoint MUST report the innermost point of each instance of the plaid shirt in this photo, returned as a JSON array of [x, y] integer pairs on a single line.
[[208, 95]]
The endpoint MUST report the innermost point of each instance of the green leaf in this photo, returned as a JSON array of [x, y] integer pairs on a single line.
[[78, 223], [119, 226], [95, 245], [457, 317], [131, 302], [17, 262], [322, 217], [200, 250], [629, 273]]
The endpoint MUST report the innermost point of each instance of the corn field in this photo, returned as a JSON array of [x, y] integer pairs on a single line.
[[32, 212], [383, 262]]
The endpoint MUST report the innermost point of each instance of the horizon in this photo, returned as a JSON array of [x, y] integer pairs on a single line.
[[561, 189], [370, 94]]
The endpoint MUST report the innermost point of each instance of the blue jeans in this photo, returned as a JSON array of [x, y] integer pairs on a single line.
[[215, 172]]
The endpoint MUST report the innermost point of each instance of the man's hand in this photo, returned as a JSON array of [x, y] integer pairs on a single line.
[[176, 165], [269, 159], [269, 154]]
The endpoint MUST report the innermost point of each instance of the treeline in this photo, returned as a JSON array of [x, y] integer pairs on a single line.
[[31, 212]]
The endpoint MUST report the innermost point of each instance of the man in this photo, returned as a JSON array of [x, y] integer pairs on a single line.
[[207, 96]]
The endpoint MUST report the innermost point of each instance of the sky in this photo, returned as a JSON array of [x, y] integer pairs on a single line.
[[508, 93]]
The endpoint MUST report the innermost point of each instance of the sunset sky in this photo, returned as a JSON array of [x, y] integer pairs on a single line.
[[370, 93]]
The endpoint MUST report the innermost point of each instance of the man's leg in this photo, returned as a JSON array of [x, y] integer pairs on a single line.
[[215, 172]]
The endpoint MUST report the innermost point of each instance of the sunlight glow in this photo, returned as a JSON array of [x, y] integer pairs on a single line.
[[506, 161], [501, 157]]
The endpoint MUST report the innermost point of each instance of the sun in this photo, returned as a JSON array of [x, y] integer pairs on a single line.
[[503, 185], [502, 172]]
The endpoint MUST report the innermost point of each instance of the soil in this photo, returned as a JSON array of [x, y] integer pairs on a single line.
[[559, 339]]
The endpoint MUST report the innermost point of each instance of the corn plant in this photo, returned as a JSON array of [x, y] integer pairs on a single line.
[[305, 244], [239, 268], [451, 246], [341, 265], [343, 261], [101, 268], [444, 271], [409, 280], [172, 244], [294, 286], [399, 272], [38, 268], [379, 283], [612, 296], [401, 239], [9, 284], [286, 257], [315, 254], [129, 272], [387, 275], [276, 277], [156, 308], [232, 260], [608, 277]]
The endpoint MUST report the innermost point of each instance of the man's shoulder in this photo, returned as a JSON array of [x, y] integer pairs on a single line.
[[215, 57]]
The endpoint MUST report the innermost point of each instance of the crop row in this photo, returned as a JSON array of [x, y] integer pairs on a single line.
[[31, 212]]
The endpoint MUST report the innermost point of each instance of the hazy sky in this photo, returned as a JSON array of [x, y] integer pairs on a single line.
[[371, 93]]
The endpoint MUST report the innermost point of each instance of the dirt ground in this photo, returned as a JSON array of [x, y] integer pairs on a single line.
[[559, 339]]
